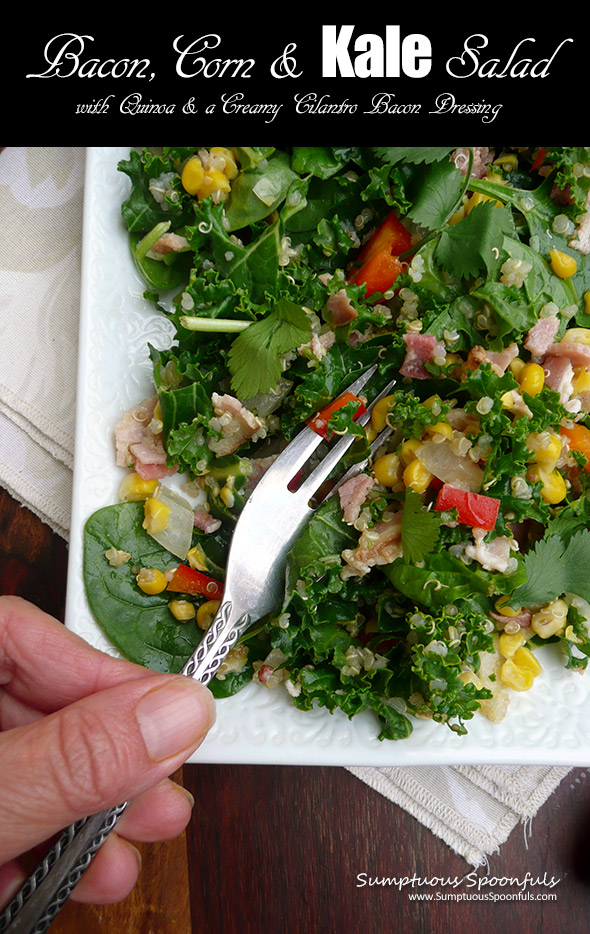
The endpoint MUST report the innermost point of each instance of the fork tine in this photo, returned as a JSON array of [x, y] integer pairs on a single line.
[[357, 468], [300, 449], [338, 450]]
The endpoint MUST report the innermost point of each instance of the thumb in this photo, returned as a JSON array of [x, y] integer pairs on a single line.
[[102, 750]]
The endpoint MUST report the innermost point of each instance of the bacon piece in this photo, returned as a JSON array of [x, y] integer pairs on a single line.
[[523, 619], [318, 345], [420, 349], [340, 309], [559, 375], [353, 494], [170, 243], [541, 336], [376, 546], [235, 422], [138, 445], [494, 555], [481, 156], [154, 471], [499, 360], [205, 521], [577, 354]]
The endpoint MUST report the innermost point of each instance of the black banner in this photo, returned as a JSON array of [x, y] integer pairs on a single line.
[[265, 74]]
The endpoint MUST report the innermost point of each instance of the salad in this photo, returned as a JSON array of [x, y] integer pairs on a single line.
[[426, 587]]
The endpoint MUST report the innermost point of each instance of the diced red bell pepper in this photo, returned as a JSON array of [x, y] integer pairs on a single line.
[[319, 421], [390, 233], [579, 439], [378, 273], [473, 509], [379, 263], [539, 158], [188, 580]]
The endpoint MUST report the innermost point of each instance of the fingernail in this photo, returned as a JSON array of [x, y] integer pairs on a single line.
[[174, 718], [186, 793]]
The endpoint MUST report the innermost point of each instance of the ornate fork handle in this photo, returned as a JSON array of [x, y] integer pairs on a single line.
[[39, 900], [37, 903]]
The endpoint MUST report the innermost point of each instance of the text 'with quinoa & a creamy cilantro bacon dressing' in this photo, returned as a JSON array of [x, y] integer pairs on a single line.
[[426, 587]]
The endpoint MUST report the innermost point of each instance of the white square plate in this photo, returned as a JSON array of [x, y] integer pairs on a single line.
[[549, 724]]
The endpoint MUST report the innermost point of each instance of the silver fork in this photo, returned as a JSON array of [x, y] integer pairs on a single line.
[[269, 524]]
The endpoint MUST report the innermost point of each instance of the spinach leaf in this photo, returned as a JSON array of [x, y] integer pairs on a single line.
[[441, 581], [258, 192], [324, 538], [140, 626]]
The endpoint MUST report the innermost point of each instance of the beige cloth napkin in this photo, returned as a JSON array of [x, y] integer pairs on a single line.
[[472, 808]]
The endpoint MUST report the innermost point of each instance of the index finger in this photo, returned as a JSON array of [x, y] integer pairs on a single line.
[[49, 666]]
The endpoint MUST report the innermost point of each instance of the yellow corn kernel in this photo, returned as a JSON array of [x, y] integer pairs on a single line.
[[578, 335], [134, 488], [192, 175], [546, 451], [507, 161], [501, 606], [519, 679], [407, 451], [553, 488], [562, 264], [230, 168], [206, 613], [417, 477], [531, 378], [387, 470], [507, 400], [151, 581], [581, 380], [213, 181], [550, 620], [510, 642], [432, 400], [379, 413], [524, 658], [371, 433], [441, 428], [182, 610], [587, 302], [516, 366], [156, 515]]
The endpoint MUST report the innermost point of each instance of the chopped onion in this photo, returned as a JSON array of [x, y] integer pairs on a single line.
[[265, 403], [441, 461], [177, 534]]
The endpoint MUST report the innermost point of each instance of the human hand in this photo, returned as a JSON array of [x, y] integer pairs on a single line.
[[82, 732]]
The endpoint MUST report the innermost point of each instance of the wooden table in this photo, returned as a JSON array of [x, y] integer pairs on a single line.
[[279, 848]]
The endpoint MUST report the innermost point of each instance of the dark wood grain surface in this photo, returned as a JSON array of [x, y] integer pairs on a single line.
[[279, 849]]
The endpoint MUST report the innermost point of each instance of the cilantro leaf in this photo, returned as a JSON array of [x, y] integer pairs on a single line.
[[254, 359], [435, 192], [420, 529], [554, 568], [467, 248]]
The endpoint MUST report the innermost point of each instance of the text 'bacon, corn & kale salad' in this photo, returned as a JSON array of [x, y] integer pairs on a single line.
[[425, 587]]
